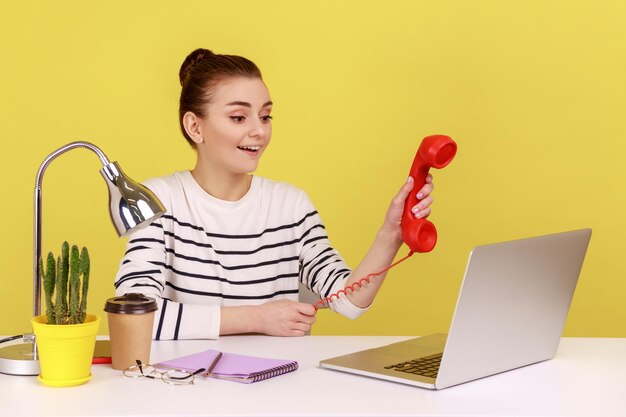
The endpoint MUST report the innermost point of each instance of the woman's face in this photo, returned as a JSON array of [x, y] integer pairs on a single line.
[[238, 126]]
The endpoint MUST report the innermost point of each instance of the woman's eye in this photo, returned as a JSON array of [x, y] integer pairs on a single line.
[[238, 119], [266, 118]]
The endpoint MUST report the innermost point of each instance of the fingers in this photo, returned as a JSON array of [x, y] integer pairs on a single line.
[[299, 329], [422, 209], [399, 198], [297, 333], [427, 188], [304, 319], [306, 309], [286, 318], [305, 315], [422, 213]]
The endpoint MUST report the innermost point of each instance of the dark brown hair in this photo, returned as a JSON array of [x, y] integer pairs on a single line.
[[200, 73]]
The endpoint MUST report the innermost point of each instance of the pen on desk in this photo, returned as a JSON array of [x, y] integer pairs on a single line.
[[215, 361]]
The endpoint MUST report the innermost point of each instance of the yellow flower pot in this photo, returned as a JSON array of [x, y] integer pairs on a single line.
[[65, 350]]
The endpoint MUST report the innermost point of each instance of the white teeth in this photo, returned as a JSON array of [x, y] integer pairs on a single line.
[[250, 148]]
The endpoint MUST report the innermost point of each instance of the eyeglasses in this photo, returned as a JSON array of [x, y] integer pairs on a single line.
[[169, 376]]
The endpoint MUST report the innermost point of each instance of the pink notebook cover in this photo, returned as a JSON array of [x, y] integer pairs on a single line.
[[232, 366]]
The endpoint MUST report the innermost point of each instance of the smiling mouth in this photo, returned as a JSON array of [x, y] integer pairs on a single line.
[[253, 149]]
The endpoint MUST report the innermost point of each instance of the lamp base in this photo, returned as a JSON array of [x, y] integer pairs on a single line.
[[18, 359]]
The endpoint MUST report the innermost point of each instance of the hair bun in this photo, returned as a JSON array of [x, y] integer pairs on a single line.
[[191, 60]]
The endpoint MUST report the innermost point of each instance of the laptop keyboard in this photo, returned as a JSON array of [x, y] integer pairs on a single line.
[[426, 366]]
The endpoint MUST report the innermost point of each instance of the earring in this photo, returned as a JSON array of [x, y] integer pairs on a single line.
[[198, 139]]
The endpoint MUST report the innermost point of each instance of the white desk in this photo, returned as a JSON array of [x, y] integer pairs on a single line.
[[587, 378]]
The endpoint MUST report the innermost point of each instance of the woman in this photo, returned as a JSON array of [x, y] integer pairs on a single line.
[[228, 255]]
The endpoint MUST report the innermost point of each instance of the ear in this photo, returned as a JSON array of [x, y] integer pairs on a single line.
[[191, 122]]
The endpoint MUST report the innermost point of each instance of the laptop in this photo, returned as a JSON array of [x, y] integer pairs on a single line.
[[510, 313]]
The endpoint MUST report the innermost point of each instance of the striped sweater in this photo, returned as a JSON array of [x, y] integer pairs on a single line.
[[205, 253]]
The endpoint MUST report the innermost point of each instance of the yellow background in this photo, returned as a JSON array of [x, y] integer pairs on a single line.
[[534, 92]]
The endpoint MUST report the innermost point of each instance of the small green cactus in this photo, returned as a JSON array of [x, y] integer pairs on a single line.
[[84, 264], [49, 280], [60, 305], [65, 293]]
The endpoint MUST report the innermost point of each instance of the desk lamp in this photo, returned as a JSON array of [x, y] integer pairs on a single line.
[[132, 206]]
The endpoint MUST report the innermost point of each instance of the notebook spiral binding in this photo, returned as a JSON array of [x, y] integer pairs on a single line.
[[271, 373]]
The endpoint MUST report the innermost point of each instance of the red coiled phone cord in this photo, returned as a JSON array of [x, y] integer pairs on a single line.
[[358, 284]]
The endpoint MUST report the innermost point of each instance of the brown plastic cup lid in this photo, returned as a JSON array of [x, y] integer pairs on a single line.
[[132, 303]]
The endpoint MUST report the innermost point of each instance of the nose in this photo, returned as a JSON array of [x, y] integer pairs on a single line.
[[258, 130]]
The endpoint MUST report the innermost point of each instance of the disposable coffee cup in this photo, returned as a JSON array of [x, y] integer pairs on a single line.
[[131, 317]]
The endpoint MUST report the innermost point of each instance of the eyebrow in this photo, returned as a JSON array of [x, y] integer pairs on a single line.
[[246, 104]]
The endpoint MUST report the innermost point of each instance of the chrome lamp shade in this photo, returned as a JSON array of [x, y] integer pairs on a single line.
[[132, 206]]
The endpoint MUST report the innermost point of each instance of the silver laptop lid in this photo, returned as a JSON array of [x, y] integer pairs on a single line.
[[512, 305]]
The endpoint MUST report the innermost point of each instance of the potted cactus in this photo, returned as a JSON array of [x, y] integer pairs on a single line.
[[66, 334], [64, 290]]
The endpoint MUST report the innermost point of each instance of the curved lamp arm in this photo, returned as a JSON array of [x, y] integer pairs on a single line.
[[131, 205]]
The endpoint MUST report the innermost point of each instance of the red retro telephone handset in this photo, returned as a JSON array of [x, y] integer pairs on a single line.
[[436, 151], [419, 235]]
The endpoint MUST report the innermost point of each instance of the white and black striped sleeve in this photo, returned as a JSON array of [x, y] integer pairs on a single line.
[[323, 270]]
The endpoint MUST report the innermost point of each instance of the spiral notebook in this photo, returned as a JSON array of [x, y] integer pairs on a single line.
[[232, 366]]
